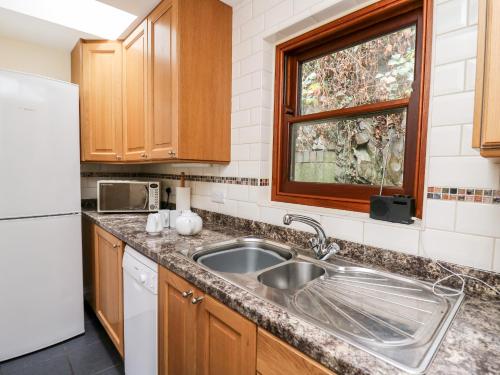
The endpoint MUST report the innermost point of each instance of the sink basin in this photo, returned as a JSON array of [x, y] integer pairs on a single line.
[[291, 275], [242, 256], [392, 317]]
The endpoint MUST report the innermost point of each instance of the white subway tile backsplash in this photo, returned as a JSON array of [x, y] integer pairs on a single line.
[[445, 141], [242, 84], [252, 63], [272, 215], [496, 256], [470, 74], [242, 14], [449, 78], [466, 147], [247, 210], [453, 109], [249, 169], [451, 15], [473, 11], [241, 118], [473, 251], [482, 219], [440, 214], [391, 237], [252, 27], [457, 45], [279, 13], [242, 50], [250, 99], [463, 171], [261, 6], [237, 192], [240, 152], [250, 134], [343, 228]]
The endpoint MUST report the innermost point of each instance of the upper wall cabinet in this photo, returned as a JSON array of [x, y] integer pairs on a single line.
[[135, 124], [486, 135], [97, 68], [175, 77]]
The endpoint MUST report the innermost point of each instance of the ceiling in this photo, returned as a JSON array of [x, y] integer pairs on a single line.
[[18, 26]]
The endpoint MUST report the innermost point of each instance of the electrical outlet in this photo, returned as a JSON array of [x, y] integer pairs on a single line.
[[218, 196]]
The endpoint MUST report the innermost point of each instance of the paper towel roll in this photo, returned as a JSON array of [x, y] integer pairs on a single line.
[[182, 198]]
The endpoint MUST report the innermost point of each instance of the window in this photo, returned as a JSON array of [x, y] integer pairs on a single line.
[[350, 108]]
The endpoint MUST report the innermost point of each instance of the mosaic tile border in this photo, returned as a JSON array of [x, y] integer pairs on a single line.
[[188, 177], [475, 195]]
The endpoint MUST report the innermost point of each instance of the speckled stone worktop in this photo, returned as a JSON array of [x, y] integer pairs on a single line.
[[471, 345]]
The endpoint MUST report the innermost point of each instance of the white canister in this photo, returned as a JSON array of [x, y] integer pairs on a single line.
[[188, 223], [154, 224], [173, 215]]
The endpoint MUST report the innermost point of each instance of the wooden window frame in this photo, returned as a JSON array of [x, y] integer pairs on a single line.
[[375, 20]]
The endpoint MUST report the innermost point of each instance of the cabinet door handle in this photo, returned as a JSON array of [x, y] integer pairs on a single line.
[[144, 155], [119, 157], [196, 300], [187, 293], [115, 245], [171, 153]]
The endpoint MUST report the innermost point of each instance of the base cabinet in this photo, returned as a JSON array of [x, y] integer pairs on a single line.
[[198, 335], [103, 279], [275, 357]]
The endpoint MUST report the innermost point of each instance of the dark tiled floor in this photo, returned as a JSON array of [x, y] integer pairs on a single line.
[[89, 354]]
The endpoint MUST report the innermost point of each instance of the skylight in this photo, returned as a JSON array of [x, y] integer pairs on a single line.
[[89, 16]]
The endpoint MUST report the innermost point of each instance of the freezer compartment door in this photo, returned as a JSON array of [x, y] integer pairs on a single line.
[[39, 146], [41, 289]]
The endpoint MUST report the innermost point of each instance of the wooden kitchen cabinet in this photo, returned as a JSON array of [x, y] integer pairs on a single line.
[[108, 281], [275, 357], [176, 325], [205, 337], [135, 123], [96, 67], [227, 341], [486, 131], [176, 88]]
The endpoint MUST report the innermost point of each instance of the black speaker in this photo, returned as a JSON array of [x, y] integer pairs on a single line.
[[396, 208]]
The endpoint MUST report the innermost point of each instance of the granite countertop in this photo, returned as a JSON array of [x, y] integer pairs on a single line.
[[471, 345]]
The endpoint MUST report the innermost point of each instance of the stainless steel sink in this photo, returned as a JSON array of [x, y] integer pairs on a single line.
[[394, 318], [244, 255], [291, 275]]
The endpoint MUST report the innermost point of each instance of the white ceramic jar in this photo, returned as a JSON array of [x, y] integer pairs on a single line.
[[188, 223]]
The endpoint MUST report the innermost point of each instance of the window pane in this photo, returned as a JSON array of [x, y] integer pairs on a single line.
[[378, 70], [350, 150]]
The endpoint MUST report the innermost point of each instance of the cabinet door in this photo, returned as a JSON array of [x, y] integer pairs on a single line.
[[109, 285], [486, 134], [88, 258], [176, 325], [135, 129], [162, 78], [227, 341], [275, 357], [101, 112]]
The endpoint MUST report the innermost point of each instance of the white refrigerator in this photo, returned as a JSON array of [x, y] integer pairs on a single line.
[[41, 292]]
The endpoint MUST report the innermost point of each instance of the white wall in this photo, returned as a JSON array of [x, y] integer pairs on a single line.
[[32, 58], [460, 232]]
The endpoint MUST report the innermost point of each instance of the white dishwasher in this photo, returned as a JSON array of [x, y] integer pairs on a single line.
[[140, 306]]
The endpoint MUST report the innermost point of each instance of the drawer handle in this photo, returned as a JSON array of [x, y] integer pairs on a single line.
[[187, 293], [196, 300]]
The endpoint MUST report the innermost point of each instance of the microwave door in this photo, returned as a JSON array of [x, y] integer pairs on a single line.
[[124, 197], [139, 196]]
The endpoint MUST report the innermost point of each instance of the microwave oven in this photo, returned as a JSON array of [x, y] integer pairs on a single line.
[[128, 196]]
